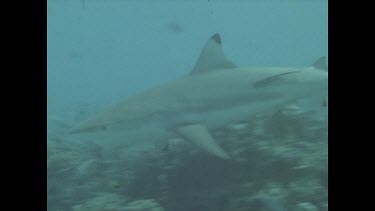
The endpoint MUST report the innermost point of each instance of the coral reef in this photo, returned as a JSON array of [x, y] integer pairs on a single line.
[[279, 163]]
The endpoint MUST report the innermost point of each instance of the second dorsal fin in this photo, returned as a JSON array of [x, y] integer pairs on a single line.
[[212, 57]]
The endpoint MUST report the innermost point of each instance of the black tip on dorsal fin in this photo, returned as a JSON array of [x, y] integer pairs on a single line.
[[320, 64], [212, 57], [216, 37]]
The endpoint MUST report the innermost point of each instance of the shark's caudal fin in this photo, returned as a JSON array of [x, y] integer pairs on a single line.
[[320, 64], [212, 57]]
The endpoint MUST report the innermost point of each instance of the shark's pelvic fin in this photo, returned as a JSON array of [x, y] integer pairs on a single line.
[[199, 135], [320, 64], [212, 57]]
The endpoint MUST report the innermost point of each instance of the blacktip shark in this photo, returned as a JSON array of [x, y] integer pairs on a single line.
[[215, 94]]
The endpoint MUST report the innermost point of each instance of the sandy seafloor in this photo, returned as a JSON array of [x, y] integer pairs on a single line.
[[280, 160], [280, 164]]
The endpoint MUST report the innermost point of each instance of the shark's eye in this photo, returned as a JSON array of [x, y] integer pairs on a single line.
[[272, 79]]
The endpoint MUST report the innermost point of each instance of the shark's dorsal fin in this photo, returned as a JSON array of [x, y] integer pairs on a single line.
[[212, 57], [320, 64]]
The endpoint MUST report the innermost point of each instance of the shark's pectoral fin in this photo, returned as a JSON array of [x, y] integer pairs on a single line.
[[199, 135], [290, 108]]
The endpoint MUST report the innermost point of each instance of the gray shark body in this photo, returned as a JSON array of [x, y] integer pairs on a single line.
[[215, 94]]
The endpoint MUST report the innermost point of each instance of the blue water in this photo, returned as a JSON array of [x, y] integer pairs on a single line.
[[111, 49], [102, 51]]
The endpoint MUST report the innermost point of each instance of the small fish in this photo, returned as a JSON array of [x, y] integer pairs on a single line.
[[175, 27]]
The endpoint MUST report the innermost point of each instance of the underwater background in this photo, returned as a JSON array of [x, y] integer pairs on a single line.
[[102, 51]]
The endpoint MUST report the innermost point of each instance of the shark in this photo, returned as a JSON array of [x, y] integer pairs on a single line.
[[214, 94]]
